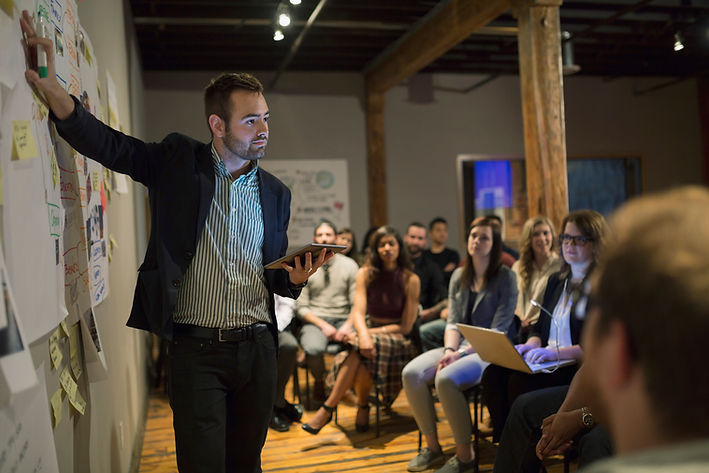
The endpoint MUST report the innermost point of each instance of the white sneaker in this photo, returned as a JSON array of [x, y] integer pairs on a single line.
[[424, 460]]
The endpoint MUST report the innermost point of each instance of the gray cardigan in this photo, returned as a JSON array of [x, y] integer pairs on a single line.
[[495, 304]]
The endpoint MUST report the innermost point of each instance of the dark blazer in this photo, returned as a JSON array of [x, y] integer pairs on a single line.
[[179, 175], [555, 287]]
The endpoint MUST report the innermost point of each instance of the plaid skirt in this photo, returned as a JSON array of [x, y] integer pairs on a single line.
[[393, 352]]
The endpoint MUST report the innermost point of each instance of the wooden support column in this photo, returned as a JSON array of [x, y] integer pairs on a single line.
[[376, 159], [543, 108]]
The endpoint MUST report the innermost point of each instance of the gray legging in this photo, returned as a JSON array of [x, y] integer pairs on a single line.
[[451, 382]]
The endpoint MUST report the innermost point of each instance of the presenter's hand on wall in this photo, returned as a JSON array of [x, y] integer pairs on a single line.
[[300, 272], [59, 100]]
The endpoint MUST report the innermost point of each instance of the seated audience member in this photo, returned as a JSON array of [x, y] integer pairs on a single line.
[[646, 336], [509, 254], [385, 306], [283, 411], [446, 259], [482, 293], [536, 263], [366, 243], [545, 421], [556, 336], [346, 237], [324, 307], [433, 290]]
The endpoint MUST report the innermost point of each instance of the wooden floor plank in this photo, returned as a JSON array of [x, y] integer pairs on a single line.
[[338, 447]]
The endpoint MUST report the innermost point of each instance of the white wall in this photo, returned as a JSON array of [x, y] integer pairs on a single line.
[[321, 116]]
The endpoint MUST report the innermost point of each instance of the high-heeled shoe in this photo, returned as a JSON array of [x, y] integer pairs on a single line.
[[312, 430], [363, 427]]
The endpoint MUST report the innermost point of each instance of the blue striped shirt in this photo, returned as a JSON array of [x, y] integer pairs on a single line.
[[224, 287]]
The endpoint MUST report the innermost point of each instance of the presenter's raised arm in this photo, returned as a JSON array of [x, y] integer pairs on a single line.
[[59, 100]]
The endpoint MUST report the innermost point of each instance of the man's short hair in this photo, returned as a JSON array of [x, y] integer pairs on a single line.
[[217, 93], [437, 220], [654, 280], [324, 221], [415, 224], [494, 217]]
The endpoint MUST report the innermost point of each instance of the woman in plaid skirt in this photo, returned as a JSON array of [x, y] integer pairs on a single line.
[[385, 307]]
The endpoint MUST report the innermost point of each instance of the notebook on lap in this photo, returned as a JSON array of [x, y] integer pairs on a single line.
[[494, 347]]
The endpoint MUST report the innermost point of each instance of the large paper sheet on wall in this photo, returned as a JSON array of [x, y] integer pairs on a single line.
[[319, 189], [26, 439], [32, 215]]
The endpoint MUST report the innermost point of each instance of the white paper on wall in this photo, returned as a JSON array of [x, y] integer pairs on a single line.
[[26, 439], [16, 369]]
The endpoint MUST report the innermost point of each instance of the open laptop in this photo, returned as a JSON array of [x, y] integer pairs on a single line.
[[494, 347]]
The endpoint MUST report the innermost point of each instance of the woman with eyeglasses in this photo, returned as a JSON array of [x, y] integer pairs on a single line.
[[556, 334], [482, 293], [537, 261], [385, 306]]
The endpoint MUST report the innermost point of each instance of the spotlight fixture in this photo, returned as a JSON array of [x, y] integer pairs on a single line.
[[283, 15], [278, 35], [567, 55], [295, 2], [679, 43]]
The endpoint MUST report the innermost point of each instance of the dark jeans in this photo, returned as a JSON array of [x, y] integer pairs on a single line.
[[221, 396], [502, 386], [522, 431]]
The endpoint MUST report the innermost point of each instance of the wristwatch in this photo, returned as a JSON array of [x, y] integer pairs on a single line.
[[462, 352], [587, 417]]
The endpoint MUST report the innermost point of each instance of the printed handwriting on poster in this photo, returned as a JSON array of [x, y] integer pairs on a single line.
[[23, 143]]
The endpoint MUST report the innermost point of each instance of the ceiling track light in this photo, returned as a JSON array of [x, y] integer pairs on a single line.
[[679, 42], [568, 65], [295, 2], [278, 35], [283, 14]]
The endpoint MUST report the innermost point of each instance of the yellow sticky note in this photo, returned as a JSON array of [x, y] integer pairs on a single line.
[[55, 169], [55, 353], [23, 143], [95, 181], [78, 402], [68, 383], [56, 401], [65, 330], [41, 106], [7, 6], [76, 365]]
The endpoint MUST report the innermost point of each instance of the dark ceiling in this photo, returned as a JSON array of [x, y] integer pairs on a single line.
[[610, 38]]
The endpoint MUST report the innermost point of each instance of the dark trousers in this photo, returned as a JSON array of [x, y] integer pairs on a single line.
[[502, 386], [517, 450], [221, 396]]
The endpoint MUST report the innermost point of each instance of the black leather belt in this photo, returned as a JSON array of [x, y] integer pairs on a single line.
[[220, 334]]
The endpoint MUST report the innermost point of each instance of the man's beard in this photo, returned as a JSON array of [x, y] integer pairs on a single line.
[[241, 149]]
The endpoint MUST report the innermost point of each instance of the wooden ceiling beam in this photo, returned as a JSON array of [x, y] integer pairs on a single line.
[[445, 26]]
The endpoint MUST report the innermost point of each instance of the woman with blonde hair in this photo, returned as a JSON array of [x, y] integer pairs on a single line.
[[537, 261]]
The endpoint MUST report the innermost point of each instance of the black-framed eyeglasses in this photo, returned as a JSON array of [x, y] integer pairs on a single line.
[[566, 239]]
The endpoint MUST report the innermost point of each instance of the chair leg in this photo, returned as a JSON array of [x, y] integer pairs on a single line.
[[307, 386], [420, 439], [296, 385], [476, 437]]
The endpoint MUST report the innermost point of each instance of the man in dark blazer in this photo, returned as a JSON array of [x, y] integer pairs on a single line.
[[216, 218]]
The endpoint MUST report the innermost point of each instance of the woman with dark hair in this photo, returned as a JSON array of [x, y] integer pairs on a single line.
[[346, 237], [537, 261], [556, 336], [483, 293], [385, 307]]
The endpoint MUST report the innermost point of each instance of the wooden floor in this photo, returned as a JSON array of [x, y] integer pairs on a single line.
[[338, 448]]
